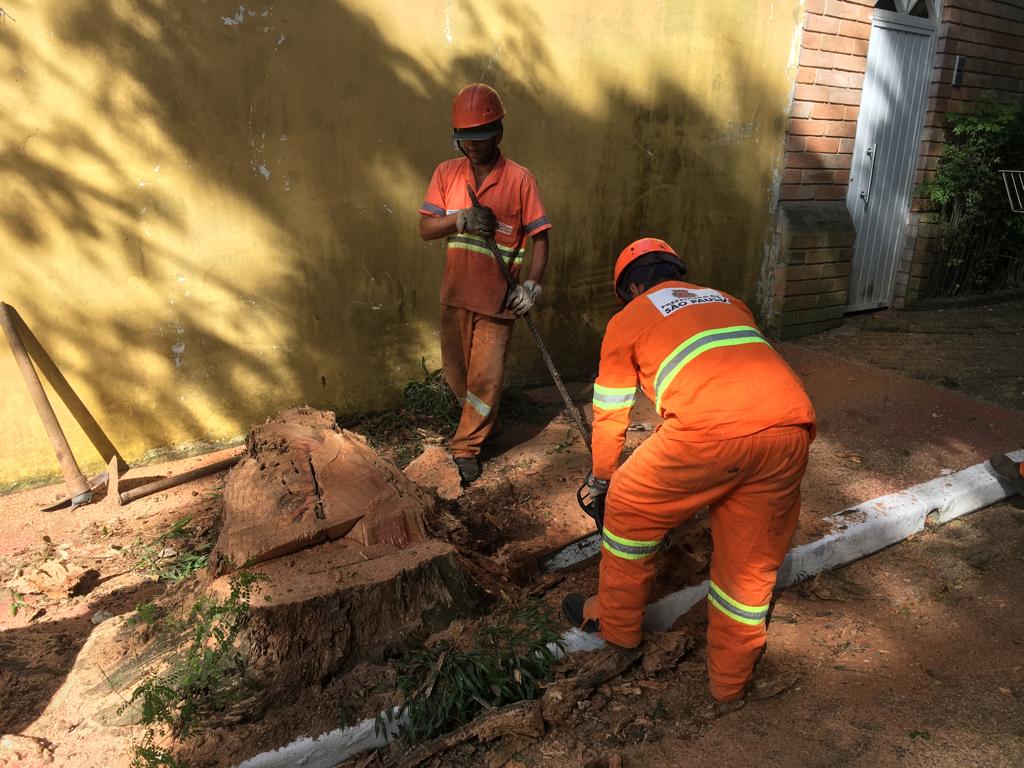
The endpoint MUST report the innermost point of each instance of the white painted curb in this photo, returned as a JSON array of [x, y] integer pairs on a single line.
[[328, 750], [859, 531], [864, 529]]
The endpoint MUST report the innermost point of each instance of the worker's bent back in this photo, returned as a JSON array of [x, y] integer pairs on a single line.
[[704, 363]]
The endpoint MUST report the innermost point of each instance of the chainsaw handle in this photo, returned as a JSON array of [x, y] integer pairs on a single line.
[[593, 508]]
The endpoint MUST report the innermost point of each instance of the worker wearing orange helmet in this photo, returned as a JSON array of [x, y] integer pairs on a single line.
[[477, 306], [737, 426]]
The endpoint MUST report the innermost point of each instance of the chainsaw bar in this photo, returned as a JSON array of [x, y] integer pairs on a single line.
[[576, 553]]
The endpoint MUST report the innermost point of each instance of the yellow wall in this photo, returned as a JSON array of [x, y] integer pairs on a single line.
[[208, 212]]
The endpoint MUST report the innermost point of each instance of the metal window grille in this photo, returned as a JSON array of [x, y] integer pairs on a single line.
[[1014, 181]]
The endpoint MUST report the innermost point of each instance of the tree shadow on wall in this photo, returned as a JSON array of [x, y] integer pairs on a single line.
[[311, 117]]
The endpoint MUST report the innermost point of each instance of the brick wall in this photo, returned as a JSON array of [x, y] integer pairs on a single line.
[[814, 241], [812, 266], [822, 129], [990, 35], [826, 100]]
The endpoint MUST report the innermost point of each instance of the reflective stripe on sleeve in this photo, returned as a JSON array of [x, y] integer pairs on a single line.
[[536, 224], [628, 549], [478, 405], [734, 609], [697, 345], [435, 209], [614, 398]]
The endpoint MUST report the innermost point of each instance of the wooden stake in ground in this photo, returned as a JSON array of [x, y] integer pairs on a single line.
[[79, 491]]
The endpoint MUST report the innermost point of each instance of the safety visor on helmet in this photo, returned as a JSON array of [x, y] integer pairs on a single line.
[[652, 265], [478, 132]]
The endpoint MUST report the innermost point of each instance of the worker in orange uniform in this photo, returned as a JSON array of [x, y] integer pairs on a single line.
[[737, 426], [477, 307]]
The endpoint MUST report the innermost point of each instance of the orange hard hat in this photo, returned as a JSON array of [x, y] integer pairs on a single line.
[[477, 106], [637, 249]]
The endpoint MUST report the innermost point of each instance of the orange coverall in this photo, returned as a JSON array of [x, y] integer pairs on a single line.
[[737, 428], [475, 326]]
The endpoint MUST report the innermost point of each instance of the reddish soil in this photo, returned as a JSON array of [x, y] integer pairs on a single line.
[[907, 668]]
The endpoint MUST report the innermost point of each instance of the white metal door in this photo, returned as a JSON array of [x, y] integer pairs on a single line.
[[885, 152]]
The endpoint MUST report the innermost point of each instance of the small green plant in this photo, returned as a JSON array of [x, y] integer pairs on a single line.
[[18, 602], [203, 679], [185, 561], [567, 441], [444, 686], [145, 613], [431, 399]]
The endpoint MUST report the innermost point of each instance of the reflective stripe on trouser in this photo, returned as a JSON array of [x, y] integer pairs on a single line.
[[752, 485], [473, 349]]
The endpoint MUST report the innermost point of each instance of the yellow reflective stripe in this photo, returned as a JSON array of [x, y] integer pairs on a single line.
[[628, 549], [751, 615], [473, 248], [631, 542], [695, 346], [518, 255], [626, 555], [614, 398], [478, 405]]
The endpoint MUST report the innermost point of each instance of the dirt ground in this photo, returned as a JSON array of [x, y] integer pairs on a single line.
[[911, 657], [977, 350]]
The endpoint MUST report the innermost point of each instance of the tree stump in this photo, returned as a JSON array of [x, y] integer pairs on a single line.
[[305, 482]]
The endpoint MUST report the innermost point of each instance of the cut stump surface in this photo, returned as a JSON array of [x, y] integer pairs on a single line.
[[304, 482]]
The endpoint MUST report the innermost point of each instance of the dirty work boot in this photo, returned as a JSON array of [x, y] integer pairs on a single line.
[[572, 607], [469, 468], [1009, 470]]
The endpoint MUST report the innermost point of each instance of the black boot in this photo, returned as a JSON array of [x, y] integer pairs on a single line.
[[572, 607], [469, 468]]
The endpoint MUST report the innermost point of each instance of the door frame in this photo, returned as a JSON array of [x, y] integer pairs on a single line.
[[902, 21]]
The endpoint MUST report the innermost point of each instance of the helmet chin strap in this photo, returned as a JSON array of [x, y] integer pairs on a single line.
[[494, 155]]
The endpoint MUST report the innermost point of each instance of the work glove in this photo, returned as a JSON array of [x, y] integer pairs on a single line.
[[478, 220], [597, 488], [522, 298]]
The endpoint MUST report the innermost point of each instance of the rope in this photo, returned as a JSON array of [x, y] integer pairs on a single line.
[[574, 413]]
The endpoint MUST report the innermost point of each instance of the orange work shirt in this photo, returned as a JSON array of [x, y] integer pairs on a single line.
[[697, 353], [471, 279]]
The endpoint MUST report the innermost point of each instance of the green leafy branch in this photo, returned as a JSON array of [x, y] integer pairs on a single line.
[[445, 687], [203, 680]]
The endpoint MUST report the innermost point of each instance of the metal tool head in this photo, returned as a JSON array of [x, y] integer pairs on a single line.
[[70, 502]]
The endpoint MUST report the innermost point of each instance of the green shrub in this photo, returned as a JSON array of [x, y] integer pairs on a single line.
[[982, 240]]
